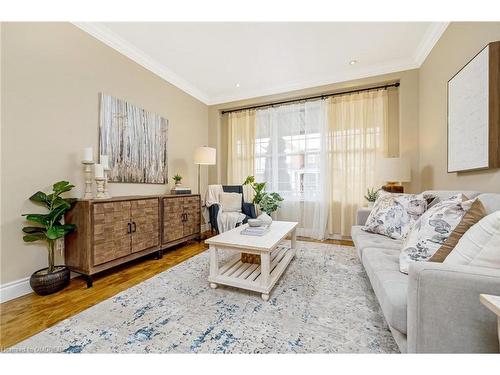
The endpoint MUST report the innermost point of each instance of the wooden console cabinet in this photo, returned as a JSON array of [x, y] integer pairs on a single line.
[[113, 231], [181, 218]]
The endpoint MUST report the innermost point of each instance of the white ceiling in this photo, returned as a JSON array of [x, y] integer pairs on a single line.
[[208, 60]]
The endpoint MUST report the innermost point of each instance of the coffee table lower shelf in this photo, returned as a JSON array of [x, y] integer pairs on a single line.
[[255, 277]]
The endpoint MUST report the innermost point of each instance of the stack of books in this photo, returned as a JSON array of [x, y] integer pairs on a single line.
[[180, 190], [256, 231]]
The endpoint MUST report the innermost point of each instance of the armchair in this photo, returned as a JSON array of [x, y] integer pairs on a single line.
[[247, 208]]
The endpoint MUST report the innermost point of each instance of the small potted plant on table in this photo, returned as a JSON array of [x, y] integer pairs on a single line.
[[49, 228], [371, 196], [177, 178]]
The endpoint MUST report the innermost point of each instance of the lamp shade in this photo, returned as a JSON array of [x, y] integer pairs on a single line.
[[205, 156], [393, 170]]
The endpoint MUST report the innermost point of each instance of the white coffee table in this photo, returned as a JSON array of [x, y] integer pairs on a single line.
[[256, 277]]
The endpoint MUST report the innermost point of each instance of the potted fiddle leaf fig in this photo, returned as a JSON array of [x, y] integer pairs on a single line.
[[48, 227]]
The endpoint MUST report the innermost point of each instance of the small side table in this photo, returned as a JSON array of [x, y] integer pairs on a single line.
[[493, 303]]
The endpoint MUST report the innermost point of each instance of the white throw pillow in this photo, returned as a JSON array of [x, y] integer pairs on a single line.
[[230, 202], [431, 230], [393, 214], [480, 245]]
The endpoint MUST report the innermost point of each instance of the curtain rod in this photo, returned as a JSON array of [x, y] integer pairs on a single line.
[[323, 96]]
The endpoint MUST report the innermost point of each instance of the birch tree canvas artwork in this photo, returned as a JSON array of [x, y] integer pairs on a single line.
[[135, 141]]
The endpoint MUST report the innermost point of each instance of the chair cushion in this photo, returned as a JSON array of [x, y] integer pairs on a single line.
[[364, 240], [230, 202], [390, 285]]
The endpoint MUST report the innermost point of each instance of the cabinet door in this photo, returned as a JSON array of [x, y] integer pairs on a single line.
[[110, 227], [173, 210], [145, 224], [192, 214]]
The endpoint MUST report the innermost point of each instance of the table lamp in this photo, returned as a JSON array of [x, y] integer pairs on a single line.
[[393, 171]]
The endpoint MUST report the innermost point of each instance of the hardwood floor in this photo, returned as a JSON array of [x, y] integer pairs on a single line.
[[28, 315]]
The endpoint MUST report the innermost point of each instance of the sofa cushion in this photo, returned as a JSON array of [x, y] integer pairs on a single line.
[[490, 201], [394, 214], [480, 245], [445, 194], [363, 240], [390, 285], [432, 229]]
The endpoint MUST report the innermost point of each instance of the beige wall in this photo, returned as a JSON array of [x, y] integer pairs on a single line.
[[459, 43], [51, 76], [403, 119]]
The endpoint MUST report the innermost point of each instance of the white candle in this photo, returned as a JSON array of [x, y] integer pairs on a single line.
[[88, 154], [99, 171], [104, 161]]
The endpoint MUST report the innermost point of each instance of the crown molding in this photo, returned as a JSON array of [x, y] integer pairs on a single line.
[[429, 40], [114, 41], [109, 38], [386, 68]]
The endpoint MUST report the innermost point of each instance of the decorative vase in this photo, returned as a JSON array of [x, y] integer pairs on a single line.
[[265, 218], [178, 183], [370, 204], [44, 283]]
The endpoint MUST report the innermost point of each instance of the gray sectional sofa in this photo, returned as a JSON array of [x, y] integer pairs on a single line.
[[436, 307]]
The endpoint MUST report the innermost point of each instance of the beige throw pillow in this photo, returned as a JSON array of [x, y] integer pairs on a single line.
[[230, 202], [475, 213], [480, 245]]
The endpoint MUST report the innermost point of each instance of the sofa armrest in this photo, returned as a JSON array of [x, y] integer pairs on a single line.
[[249, 210], [444, 311], [362, 214]]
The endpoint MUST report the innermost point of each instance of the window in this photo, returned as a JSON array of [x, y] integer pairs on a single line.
[[287, 149]]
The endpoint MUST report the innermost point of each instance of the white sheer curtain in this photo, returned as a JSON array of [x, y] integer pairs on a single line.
[[357, 138], [319, 155], [290, 156]]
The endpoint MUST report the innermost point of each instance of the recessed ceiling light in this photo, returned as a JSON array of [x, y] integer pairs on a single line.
[[352, 62], [237, 85]]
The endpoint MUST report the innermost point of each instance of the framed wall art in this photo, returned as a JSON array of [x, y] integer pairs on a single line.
[[474, 113], [135, 141]]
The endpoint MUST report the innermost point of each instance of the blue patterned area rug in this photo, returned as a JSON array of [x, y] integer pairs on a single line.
[[323, 303]]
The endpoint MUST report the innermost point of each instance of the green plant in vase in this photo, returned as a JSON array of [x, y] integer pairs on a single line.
[[48, 227], [267, 202]]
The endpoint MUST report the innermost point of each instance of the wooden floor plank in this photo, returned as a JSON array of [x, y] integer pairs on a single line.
[[28, 315]]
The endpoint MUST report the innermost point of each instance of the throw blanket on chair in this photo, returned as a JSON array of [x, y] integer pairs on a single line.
[[225, 220]]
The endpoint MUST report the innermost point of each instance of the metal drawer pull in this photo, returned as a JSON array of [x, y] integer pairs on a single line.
[[129, 228], [135, 227]]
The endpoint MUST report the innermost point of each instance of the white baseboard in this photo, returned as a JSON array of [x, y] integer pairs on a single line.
[[14, 289], [21, 287]]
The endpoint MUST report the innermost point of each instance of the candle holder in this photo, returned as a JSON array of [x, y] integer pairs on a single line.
[[106, 192], [99, 181], [87, 169]]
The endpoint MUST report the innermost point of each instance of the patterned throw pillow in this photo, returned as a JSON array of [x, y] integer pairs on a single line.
[[393, 214], [432, 230]]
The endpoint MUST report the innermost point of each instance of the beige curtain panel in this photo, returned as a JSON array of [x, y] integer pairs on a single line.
[[241, 147], [357, 137]]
